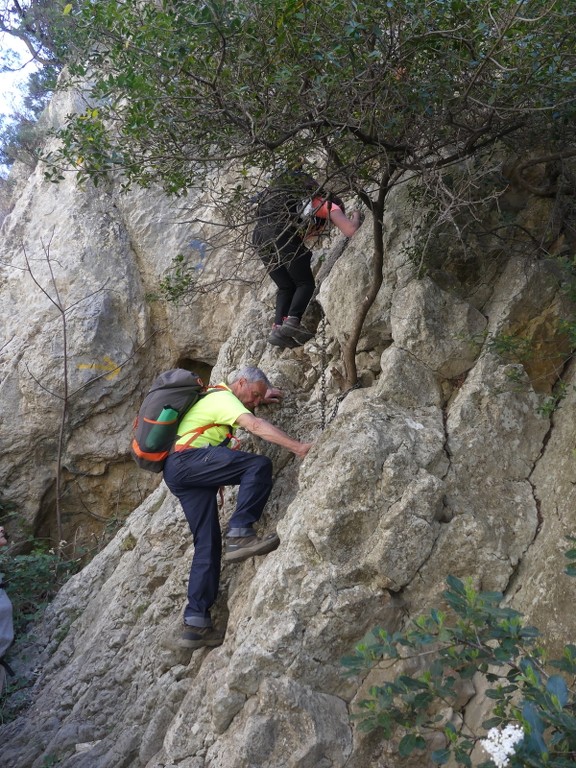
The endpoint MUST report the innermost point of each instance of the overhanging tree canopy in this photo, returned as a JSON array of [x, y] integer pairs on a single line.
[[381, 89], [405, 83]]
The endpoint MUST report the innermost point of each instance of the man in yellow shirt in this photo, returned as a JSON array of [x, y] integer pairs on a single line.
[[202, 462]]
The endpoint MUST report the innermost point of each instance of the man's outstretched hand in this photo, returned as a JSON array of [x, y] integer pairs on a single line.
[[302, 450]]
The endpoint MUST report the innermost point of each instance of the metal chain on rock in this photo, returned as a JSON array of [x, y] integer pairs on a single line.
[[323, 364], [339, 399]]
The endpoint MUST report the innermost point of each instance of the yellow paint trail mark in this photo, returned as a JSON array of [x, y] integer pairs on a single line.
[[107, 365]]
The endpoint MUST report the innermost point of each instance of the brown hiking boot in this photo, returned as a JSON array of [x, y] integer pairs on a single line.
[[240, 548], [199, 637]]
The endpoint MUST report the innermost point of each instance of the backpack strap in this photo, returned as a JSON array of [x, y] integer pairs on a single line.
[[209, 390], [200, 431]]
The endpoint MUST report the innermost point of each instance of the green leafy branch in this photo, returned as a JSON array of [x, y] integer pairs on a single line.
[[476, 635], [179, 281], [33, 580]]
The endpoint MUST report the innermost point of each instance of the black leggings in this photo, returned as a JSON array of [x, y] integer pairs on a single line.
[[288, 263]]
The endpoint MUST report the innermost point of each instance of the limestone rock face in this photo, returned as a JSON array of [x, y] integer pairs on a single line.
[[437, 328], [80, 333], [458, 459]]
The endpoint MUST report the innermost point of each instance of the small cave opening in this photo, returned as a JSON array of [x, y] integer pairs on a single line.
[[203, 369]]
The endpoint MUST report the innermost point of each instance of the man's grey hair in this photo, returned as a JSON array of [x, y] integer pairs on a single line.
[[250, 373]]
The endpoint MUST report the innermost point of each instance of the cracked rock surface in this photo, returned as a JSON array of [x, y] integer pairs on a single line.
[[446, 464]]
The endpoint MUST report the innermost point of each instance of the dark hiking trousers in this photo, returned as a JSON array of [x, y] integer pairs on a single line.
[[288, 263], [194, 477]]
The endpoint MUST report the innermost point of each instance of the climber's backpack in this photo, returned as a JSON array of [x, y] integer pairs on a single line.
[[286, 196], [292, 199], [171, 395]]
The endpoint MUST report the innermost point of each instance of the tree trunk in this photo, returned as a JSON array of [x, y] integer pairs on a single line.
[[349, 349]]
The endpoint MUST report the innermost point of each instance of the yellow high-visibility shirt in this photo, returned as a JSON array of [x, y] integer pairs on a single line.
[[221, 407]]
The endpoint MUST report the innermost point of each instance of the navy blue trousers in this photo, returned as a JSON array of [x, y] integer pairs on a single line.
[[194, 477]]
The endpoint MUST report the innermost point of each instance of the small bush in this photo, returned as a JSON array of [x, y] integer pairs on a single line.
[[533, 720], [33, 580]]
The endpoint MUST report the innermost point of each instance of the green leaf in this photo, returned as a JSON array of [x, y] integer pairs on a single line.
[[456, 585], [409, 743], [570, 554], [440, 756], [534, 739], [492, 722], [556, 686], [411, 683]]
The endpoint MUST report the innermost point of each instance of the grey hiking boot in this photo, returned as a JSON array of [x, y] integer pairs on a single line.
[[278, 340], [292, 329], [199, 637], [240, 548]]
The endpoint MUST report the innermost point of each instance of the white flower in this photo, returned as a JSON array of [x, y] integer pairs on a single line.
[[501, 744]]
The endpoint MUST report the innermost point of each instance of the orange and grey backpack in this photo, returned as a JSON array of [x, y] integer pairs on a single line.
[[170, 397]]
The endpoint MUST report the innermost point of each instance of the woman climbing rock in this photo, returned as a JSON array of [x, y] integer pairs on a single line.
[[292, 212]]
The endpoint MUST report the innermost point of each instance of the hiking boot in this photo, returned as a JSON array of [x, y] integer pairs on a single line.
[[291, 328], [240, 548], [198, 637], [278, 340]]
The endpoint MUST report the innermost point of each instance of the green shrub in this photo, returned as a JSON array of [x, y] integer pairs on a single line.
[[533, 719], [33, 580]]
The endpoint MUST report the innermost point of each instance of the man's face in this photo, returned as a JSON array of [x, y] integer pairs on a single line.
[[250, 393], [3, 537]]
